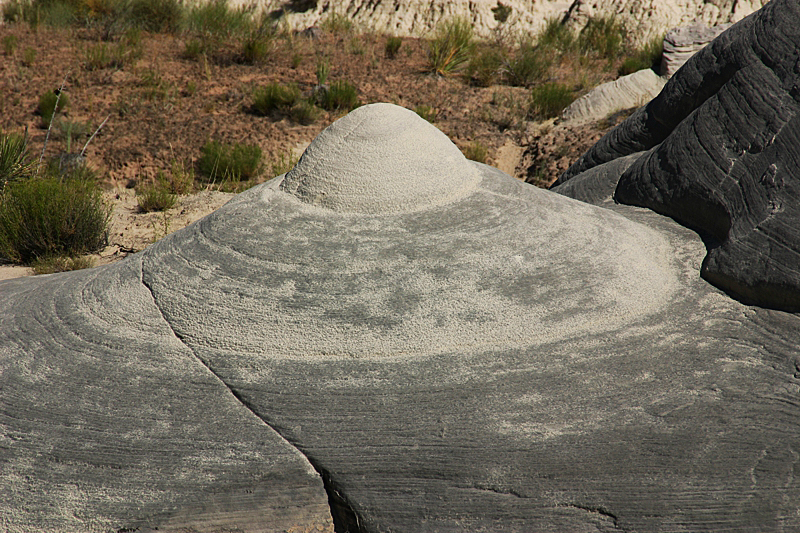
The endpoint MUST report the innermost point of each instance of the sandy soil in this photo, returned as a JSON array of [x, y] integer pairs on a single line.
[[163, 107]]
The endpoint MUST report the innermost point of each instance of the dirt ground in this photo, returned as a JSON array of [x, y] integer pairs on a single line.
[[163, 107]]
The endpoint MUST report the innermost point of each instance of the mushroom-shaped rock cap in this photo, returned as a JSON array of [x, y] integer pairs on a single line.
[[381, 158], [385, 241]]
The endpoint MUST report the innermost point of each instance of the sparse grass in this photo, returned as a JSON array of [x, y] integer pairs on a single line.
[[158, 16], [155, 87], [549, 100], [282, 163], [356, 46], [426, 112], [603, 36], [323, 69], [9, 44], [180, 179], [104, 55], [556, 36], [646, 56], [71, 129], [15, 159], [392, 46], [47, 106], [530, 64], [341, 95], [221, 162], [255, 48], [275, 97], [28, 56], [51, 265], [304, 112], [155, 196], [452, 46], [485, 65], [476, 151], [337, 24], [49, 216]]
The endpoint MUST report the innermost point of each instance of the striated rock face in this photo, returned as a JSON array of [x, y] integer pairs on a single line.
[[722, 142], [682, 43]]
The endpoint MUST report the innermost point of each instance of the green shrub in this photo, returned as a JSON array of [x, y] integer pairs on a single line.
[[47, 105], [28, 56], [9, 44], [215, 19], [393, 45], [485, 66], [451, 47], [105, 55], [603, 36], [323, 68], [15, 160], [275, 97], [647, 56], [256, 48], [180, 179], [530, 64], [426, 112], [156, 196], [341, 95], [476, 151], [549, 100], [48, 217], [556, 36], [194, 48], [230, 162]]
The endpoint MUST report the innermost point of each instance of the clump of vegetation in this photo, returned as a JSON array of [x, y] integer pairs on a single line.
[[646, 56], [155, 196], [426, 112], [222, 162], [603, 36], [282, 163], [392, 46], [28, 56], [304, 112], [70, 130], [485, 66], [556, 36], [549, 100], [47, 105], [9, 44], [476, 151], [530, 64], [341, 95], [51, 265], [275, 97], [43, 217], [256, 48], [158, 16], [15, 160], [323, 69], [337, 24], [452, 46]]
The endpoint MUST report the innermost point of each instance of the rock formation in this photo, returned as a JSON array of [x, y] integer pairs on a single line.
[[438, 346], [685, 41], [721, 144]]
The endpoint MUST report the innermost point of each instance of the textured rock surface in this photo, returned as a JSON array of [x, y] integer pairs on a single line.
[[502, 359], [682, 43], [629, 91], [650, 18], [724, 159]]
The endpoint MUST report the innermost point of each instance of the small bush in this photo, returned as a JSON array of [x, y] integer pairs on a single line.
[[230, 162], [530, 64], [341, 95], [256, 48], [393, 45], [180, 179], [47, 105], [155, 197], [194, 48], [323, 69], [356, 46], [485, 66], [275, 97], [48, 217], [51, 265], [9, 44], [28, 56], [215, 19], [296, 60], [556, 36], [104, 55], [648, 56], [304, 112], [426, 112], [603, 36], [476, 151], [549, 100], [451, 47], [15, 160]]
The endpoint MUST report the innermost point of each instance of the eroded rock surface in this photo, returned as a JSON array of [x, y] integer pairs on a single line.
[[722, 155], [479, 355]]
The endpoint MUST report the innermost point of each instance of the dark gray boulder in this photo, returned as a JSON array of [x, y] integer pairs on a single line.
[[450, 349], [724, 155]]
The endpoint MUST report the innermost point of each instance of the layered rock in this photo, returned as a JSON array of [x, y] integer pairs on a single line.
[[722, 144]]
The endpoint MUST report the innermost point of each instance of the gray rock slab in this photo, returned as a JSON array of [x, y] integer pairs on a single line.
[[480, 356], [108, 422], [683, 42], [723, 138]]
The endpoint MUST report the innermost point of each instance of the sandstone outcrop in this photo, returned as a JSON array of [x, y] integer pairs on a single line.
[[437, 345], [721, 144]]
